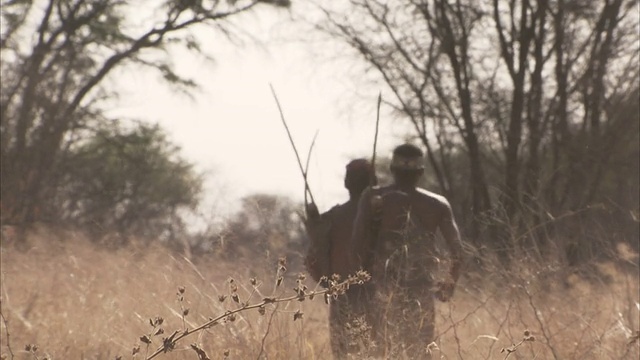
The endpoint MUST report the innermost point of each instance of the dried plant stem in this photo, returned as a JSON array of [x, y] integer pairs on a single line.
[[541, 323], [169, 344], [266, 333], [513, 348], [6, 329]]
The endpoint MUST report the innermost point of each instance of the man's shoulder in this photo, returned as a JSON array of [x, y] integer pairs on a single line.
[[432, 198], [332, 211], [339, 209]]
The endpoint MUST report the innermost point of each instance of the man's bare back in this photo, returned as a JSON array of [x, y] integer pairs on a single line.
[[407, 225], [330, 235], [394, 238]]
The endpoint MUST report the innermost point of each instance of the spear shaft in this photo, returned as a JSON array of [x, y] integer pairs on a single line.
[[374, 180], [295, 150], [306, 166]]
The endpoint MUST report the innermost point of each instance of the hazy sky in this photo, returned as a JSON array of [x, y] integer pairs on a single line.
[[231, 128]]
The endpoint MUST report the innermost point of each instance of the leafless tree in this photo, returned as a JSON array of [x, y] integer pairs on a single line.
[[535, 93]]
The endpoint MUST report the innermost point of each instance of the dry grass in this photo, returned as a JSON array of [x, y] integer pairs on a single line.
[[79, 302], [568, 317]]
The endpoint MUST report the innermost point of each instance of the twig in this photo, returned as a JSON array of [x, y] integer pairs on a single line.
[[511, 349], [540, 321], [266, 333], [6, 329], [335, 289]]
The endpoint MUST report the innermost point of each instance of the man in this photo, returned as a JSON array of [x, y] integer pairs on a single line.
[[330, 234], [394, 239]]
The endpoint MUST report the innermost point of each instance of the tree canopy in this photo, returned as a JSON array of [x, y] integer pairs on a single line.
[[539, 96], [56, 58], [130, 181]]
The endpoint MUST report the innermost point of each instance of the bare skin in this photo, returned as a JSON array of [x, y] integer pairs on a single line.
[[394, 239], [330, 235], [338, 223]]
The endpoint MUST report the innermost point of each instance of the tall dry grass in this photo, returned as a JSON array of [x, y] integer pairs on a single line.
[[77, 301]]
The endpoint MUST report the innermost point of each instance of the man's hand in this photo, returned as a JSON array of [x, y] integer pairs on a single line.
[[312, 211], [445, 290]]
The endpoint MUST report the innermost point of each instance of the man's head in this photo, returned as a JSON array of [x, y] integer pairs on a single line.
[[359, 175], [407, 165]]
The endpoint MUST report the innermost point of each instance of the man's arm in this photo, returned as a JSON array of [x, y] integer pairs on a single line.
[[361, 243], [450, 232]]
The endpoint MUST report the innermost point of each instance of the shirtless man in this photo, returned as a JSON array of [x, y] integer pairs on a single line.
[[330, 234], [394, 239]]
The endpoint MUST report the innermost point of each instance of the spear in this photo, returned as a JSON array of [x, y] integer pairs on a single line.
[[293, 145], [306, 166], [374, 180]]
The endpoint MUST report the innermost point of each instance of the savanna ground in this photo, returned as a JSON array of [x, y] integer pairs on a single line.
[[75, 300]]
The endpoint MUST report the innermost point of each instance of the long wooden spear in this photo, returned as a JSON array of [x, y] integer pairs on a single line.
[[306, 167], [284, 122], [374, 179]]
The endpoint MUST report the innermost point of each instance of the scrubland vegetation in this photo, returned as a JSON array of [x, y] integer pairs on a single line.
[[77, 300]]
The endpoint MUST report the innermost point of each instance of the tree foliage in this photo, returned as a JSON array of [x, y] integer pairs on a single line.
[[131, 181], [265, 226], [56, 56]]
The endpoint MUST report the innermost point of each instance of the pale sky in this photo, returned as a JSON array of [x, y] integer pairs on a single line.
[[231, 129]]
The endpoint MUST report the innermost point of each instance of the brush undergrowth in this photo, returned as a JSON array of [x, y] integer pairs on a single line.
[[64, 298]]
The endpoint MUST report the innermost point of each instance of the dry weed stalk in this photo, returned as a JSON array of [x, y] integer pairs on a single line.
[[6, 329], [33, 350], [335, 287], [511, 349]]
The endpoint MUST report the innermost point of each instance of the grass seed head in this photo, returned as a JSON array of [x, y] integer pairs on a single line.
[[155, 322], [145, 339]]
